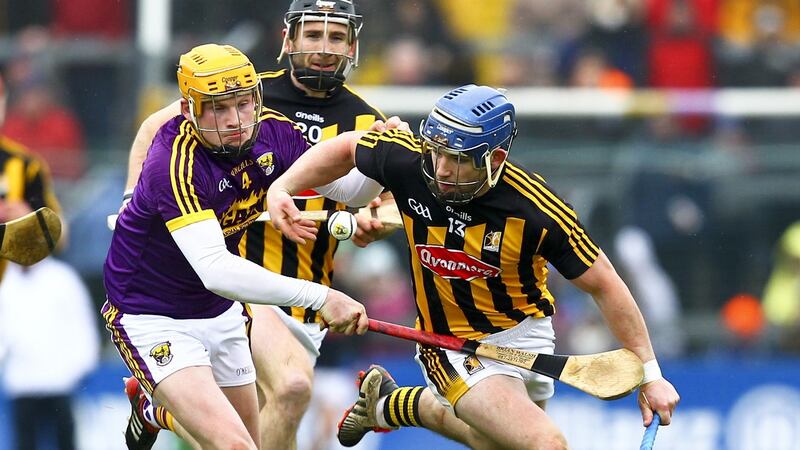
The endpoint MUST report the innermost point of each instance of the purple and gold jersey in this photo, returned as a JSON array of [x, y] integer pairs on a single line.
[[181, 184]]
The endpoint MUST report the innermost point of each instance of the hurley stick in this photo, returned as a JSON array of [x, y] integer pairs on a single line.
[[30, 238], [607, 376]]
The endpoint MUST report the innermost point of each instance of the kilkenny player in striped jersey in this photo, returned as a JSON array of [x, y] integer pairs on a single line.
[[173, 276], [25, 183], [319, 118], [481, 231]]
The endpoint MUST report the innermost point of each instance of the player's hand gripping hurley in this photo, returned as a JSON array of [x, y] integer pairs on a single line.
[[607, 376], [649, 437]]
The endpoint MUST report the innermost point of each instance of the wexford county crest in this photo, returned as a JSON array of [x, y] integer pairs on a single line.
[[266, 163], [161, 353]]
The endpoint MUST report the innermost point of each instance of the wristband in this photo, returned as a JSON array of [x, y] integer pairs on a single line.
[[127, 195], [651, 372]]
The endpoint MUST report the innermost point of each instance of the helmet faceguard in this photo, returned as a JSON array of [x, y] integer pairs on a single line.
[[467, 124], [302, 12], [210, 74]]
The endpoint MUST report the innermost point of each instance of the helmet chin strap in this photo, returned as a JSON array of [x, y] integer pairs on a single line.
[[233, 152], [492, 176]]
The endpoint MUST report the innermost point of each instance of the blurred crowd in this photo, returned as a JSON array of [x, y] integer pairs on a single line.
[[585, 43], [698, 213], [58, 52], [75, 83]]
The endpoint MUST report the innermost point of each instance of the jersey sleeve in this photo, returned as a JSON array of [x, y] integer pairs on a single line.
[[566, 244], [177, 180], [387, 157], [367, 114]]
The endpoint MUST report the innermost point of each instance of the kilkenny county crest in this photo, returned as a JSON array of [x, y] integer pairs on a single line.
[[472, 364]]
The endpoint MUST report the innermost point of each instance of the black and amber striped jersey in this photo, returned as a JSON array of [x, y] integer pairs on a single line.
[[481, 267], [24, 177], [318, 119]]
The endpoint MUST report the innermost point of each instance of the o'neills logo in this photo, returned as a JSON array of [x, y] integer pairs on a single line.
[[308, 116], [454, 263]]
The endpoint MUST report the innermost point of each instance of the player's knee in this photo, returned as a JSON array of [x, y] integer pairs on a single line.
[[294, 391]]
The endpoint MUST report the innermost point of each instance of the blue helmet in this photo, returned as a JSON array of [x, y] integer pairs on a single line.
[[468, 122]]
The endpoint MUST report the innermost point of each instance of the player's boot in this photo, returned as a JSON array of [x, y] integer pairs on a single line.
[[359, 419], [139, 435]]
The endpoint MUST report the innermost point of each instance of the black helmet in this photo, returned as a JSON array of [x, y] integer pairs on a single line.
[[327, 11]]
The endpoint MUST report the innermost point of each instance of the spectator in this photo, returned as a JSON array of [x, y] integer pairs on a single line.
[[653, 289], [94, 25], [739, 20], [551, 33], [420, 37], [94, 18], [760, 43], [526, 66], [592, 70], [679, 55], [410, 62], [45, 361], [618, 28], [38, 120], [669, 197]]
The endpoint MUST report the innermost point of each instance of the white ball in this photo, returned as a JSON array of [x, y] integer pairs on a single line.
[[342, 225]]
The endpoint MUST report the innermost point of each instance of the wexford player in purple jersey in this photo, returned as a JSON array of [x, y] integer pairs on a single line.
[[173, 280]]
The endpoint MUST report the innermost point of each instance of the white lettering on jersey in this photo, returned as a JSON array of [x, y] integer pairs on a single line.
[[224, 184], [312, 117], [420, 209], [463, 215]]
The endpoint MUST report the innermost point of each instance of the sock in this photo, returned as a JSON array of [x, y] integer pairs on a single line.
[[148, 413], [157, 416], [401, 408], [163, 418], [379, 408]]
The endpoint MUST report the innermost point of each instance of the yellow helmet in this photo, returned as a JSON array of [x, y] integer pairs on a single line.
[[213, 72], [211, 69]]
